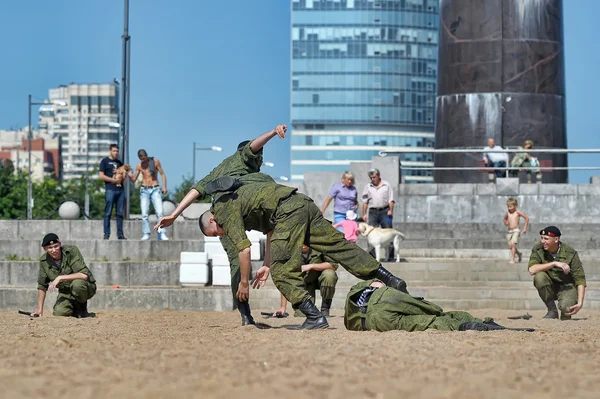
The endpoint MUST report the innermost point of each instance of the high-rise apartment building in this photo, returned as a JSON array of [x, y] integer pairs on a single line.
[[87, 124], [364, 76]]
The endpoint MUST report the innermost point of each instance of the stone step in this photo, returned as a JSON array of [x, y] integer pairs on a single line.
[[220, 298], [139, 298], [118, 250], [163, 273], [69, 230], [188, 229], [519, 297], [160, 273], [107, 250]]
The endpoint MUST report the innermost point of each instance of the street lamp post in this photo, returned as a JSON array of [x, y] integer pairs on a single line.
[[196, 148], [87, 168], [29, 138]]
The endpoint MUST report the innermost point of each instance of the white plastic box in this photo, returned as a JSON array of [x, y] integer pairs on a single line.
[[193, 269]]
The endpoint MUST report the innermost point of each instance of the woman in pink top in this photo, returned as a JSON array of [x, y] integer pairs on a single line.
[[349, 226]]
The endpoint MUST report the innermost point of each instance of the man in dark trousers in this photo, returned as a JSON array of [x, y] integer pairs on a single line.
[[115, 194], [62, 268]]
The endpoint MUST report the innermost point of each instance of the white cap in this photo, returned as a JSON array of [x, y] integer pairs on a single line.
[[350, 215]]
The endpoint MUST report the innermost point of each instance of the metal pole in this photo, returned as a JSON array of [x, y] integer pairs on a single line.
[[124, 82], [194, 165], [86, 208], [127, 114], [29, 184]]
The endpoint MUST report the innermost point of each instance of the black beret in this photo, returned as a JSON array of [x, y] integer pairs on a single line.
[[49, 239], [550, 231]]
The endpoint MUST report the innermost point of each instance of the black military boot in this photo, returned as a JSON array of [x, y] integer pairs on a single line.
[[390, 280], [552, 311], [477, 326], [244, 308], [314, 319], [325, 307], [80, 310], [222, 184]]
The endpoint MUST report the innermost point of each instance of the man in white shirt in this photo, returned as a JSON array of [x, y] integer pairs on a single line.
[[496, 160]]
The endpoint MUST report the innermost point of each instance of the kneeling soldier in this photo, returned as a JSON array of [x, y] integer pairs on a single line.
[[62, 267]]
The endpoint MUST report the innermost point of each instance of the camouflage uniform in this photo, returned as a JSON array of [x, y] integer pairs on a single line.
[[324, 280], [243, 165], [295, 221], [554, 284], [69, 292], [389, 309]]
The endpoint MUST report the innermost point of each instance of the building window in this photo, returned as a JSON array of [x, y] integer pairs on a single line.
[[315, 99]]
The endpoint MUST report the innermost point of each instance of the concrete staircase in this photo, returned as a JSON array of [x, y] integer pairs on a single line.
[[459, 266], [456, 284]]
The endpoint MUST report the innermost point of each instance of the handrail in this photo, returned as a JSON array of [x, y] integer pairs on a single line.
[[424, 150], [500, 168]]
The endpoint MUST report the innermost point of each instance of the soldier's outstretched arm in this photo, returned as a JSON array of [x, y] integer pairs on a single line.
[[264, 138], [245, 266], [189, 198]]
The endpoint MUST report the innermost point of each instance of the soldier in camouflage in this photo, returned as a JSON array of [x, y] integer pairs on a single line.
[[290, 220], [319, 274], [62, 268], [370, 305], [557, 274], [244, 165]]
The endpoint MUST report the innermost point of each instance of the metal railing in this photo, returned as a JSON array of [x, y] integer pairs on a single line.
[[422, 150]]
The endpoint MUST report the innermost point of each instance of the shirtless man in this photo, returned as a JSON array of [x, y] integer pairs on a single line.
[[512, 220], [150, 191]]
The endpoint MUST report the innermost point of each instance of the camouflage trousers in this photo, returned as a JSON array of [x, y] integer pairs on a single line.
[[71, 293], [299, 221], [323, 281], [234, 267], [549, 290], [389, 309]]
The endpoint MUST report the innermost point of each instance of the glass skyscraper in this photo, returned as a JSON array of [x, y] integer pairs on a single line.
[[364, 75]]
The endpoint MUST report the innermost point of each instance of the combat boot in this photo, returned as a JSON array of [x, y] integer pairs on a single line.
[[247, 319], [390, 280], [552, 311], [314, 318], [564, 317], [80, 310], [222, 184], [325, 307]]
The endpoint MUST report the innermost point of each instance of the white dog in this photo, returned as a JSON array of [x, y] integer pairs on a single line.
[[378, 237]]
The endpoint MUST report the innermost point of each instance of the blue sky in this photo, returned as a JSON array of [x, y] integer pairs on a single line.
[[215, 72]]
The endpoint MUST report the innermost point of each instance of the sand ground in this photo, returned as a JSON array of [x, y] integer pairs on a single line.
[[209, 355]]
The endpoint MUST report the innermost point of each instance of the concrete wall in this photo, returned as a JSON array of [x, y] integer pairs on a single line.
[[479, 203]]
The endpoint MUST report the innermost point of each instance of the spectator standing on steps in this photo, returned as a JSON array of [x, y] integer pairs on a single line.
[[114, 196], [378, 205], [344, 196], [149, 168]]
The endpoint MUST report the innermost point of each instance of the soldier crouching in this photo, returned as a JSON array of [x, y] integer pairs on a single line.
[[62, 267]]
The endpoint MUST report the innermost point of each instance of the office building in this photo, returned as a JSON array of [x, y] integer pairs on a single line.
[[363, 80]]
